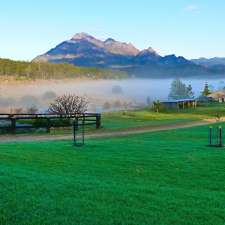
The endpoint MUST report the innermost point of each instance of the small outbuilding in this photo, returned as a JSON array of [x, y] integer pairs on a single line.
[[180, 104], [205, 99], [218, 96]]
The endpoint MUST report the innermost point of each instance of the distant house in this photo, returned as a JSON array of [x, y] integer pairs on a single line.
[[205, 99], [180, 104], [218, 96]]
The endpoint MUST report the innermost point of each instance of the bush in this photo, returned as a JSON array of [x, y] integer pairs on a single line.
[[59, 122]]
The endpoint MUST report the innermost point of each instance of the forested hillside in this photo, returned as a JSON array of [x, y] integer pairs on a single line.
[[45, 70]]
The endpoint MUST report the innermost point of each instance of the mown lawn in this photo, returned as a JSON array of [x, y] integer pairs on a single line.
[[158, 178]]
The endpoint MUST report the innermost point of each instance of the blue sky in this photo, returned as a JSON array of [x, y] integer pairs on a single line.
[[192, 28]]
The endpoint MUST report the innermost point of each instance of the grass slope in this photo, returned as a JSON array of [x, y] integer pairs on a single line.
[[158, 178], [147, 117]]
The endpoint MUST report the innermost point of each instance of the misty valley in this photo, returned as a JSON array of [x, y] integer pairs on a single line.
[[102, 95]]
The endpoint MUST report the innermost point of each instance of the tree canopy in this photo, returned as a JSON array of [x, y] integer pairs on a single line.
[[206, 91], [179, 90], [46, 70]]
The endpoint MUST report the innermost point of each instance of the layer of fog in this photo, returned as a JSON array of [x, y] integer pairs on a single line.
[[102, 94]]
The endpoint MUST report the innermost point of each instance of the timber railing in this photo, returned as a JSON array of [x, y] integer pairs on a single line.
[[10, 123]]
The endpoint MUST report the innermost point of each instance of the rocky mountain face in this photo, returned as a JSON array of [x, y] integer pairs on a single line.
[[85, 50]]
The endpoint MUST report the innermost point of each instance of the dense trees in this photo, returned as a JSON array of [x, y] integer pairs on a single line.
[[179, 90], [44, 70]]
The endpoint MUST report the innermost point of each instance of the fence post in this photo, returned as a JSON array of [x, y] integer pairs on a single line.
[[220, 137], [210, 136], [13, 125], [48, 127], [98, 121], [75, 129]]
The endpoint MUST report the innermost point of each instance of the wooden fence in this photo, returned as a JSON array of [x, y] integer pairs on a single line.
[[10, 123]]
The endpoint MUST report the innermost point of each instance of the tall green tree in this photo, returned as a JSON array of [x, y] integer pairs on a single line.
[[206, 91], [179, 90], [190, 92]]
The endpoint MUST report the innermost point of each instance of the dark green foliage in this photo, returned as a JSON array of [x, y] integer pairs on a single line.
[[54, 122], [156, 106], [163, 178], [206, 90], [61, 122], [44, 70]]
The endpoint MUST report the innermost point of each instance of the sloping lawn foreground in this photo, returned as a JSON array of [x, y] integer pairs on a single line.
[[160, 178]]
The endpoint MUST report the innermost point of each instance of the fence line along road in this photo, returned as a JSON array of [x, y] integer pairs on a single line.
[[10, 123]]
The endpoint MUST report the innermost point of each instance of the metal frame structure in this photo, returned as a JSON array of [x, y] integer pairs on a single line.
[[78, 131], [215, 137]]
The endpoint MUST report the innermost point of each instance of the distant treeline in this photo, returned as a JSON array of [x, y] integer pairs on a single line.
[[45, 70]]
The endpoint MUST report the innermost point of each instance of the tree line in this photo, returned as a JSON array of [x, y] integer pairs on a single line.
[[179, 90], [45, 70]]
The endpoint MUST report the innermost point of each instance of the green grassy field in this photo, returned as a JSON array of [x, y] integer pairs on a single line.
[[147, 117], [158, 178], [143, 118]]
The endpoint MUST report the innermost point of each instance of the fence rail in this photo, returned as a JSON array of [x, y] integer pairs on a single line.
[[10, 123]]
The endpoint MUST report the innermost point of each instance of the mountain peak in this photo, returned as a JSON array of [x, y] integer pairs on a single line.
[[151, 50], [121, 48], [82, 35], [109, 40], [148, 51], [86, 50]]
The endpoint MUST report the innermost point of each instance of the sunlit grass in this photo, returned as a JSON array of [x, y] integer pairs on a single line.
[[159, 178]]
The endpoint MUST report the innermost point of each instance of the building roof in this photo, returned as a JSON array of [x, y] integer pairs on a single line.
[[180, 100], [217, 94]]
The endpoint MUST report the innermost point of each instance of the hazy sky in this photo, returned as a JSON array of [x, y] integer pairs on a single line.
[[183, 27]]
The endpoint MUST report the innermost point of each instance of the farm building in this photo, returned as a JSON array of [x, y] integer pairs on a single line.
[[205, 99], [180, 104], [218, 96]]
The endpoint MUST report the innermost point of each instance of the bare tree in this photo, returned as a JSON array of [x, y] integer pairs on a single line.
[[69, 104]]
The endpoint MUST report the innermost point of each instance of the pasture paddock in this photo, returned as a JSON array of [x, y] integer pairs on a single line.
[[168, 177]]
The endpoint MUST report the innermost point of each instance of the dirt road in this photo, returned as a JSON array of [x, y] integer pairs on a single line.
[[108, 134]]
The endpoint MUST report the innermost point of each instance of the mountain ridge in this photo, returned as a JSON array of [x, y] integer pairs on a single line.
[[87, 51]]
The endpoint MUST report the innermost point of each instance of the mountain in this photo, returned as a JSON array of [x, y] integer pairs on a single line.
[[209, 62], [87, 51], [216, 65]]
